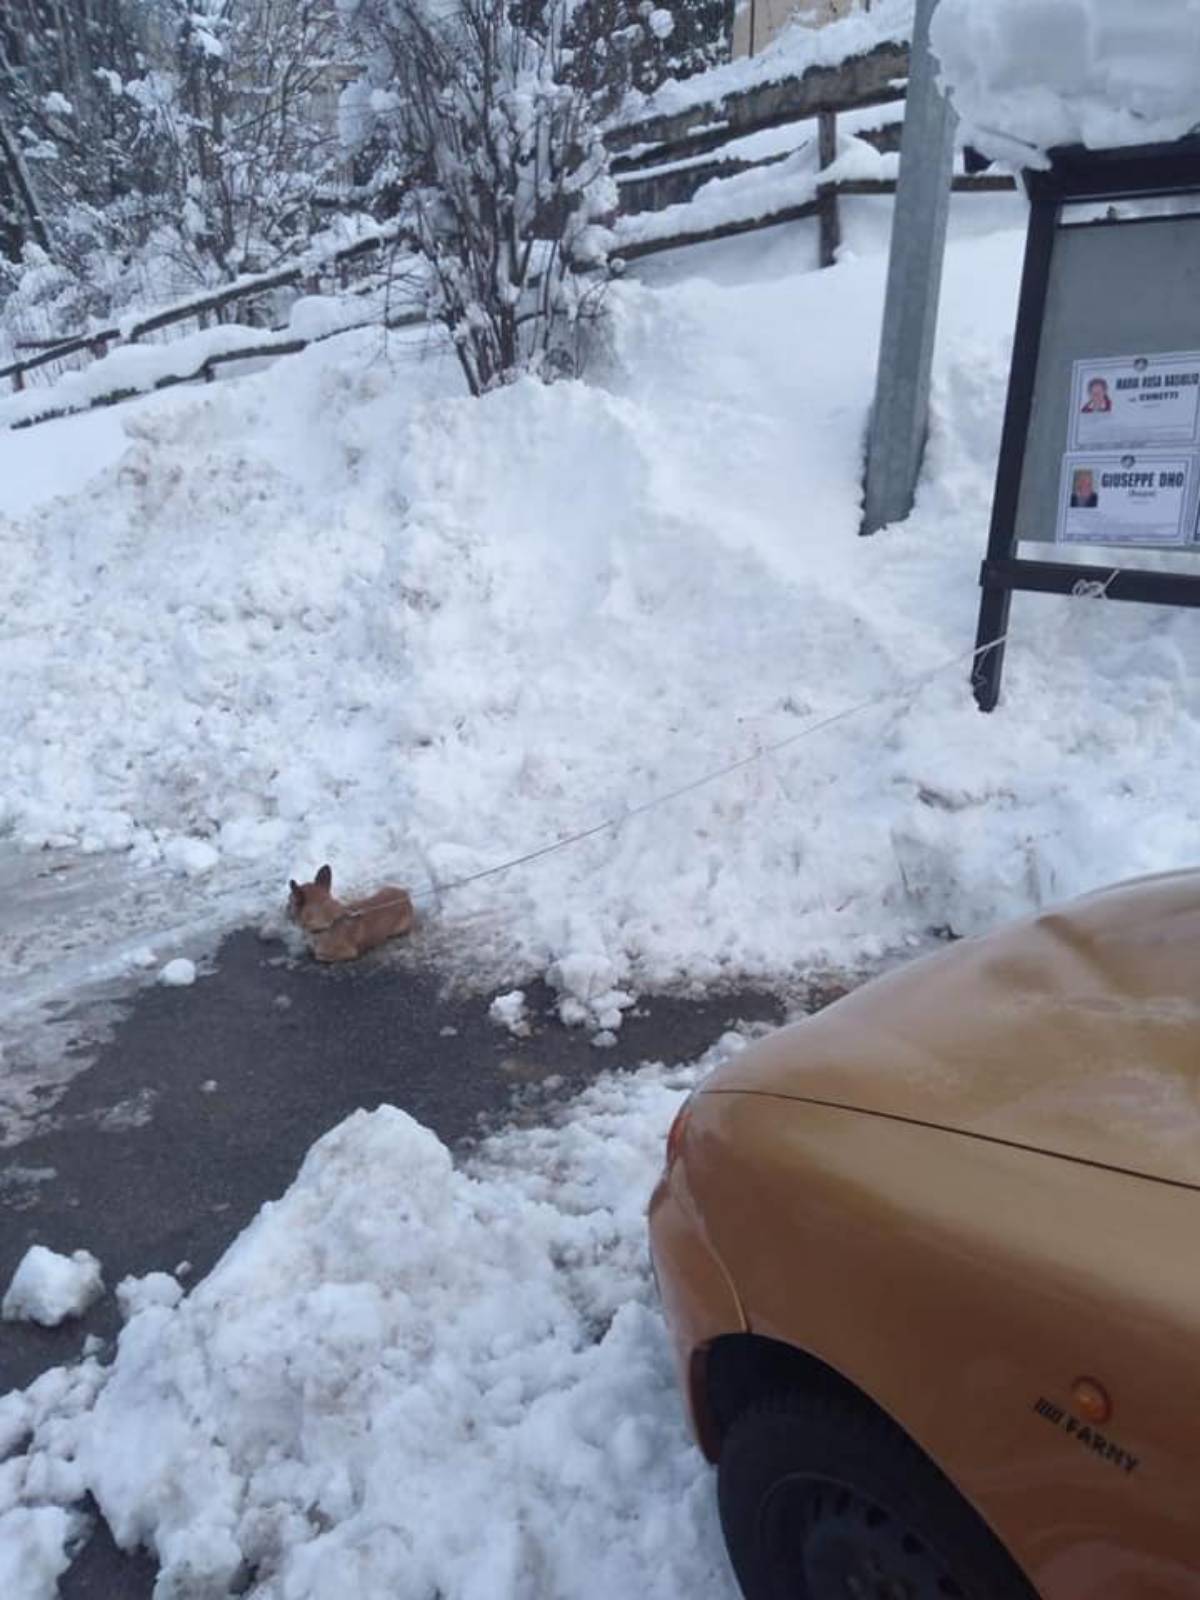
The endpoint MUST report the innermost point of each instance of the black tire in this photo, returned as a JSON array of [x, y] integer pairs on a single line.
[[824, 1498]]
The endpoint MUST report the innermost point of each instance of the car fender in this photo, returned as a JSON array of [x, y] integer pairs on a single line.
[[965, 1285]]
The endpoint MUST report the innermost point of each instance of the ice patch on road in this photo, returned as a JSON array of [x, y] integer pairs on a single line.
[[76, 926]]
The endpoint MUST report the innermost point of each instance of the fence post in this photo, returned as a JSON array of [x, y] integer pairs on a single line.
[[827, 194], [900, 416]]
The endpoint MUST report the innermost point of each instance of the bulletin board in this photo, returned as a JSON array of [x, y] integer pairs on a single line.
[[1101, 445]]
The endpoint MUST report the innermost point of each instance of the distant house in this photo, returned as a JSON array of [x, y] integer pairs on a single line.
[[756, 22]]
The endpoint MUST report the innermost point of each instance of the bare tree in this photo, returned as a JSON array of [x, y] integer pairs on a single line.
[[497, 171], [21, 217], [156, 143], [245, 127], [62, 65], [621, 45]]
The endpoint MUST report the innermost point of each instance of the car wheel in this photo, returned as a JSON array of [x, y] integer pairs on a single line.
[[823, 1498]]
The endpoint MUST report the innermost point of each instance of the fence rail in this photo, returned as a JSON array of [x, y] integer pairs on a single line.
[[206, 369], [664, 160], [97, 343], [818, 206], [875, 78]]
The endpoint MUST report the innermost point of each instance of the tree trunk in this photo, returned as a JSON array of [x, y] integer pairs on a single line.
[[14, 177]]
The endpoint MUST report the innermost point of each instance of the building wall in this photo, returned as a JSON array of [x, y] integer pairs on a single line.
[[756, 22]]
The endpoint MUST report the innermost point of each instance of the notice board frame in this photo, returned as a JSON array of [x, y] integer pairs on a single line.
[[1075, 175]]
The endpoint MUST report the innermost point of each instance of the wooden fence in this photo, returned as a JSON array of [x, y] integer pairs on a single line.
[[96, 345], [664, 160]]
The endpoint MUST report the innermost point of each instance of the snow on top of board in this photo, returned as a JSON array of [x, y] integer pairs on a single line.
[[1027, 75]]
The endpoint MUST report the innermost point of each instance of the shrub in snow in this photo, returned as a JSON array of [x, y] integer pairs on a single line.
[[497, 171], [47, 1287]]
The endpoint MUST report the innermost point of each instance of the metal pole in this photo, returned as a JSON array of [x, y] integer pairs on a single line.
[[900, 417]]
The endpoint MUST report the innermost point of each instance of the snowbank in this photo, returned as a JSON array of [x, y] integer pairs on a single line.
[[48, 1287], [337, 612], [404, 1380], [1027, 75]]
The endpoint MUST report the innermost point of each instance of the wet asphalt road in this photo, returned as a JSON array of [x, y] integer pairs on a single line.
[[202, 1102]]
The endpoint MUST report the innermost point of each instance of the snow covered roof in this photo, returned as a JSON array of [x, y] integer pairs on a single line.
[[1027, 75]]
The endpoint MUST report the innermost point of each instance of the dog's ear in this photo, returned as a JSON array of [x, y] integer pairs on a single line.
[[297, 891], [324, 878]]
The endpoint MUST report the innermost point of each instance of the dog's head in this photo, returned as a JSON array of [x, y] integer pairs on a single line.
[[312, 905]]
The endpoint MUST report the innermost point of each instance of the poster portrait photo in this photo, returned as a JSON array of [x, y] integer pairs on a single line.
[[1084, 495]]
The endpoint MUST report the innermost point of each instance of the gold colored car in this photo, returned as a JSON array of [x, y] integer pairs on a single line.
[[930, 1260]]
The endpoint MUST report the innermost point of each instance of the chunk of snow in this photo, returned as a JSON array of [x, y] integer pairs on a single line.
[[661, 23], [34, 1550], [48, 1288], [191, 857], [178, 974], [316, 316], [153, 1289], [509, 1011]]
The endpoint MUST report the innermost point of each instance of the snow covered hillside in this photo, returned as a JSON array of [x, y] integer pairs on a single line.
[[336, 611]]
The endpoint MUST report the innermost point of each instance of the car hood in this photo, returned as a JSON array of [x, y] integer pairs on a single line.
[[1076, 1033]]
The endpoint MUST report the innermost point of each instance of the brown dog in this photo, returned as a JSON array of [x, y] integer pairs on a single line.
[[343, 930]]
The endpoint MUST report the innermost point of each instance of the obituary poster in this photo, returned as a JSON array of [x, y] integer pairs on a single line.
[[1148, 401], [1131, 472], [1137, 499]]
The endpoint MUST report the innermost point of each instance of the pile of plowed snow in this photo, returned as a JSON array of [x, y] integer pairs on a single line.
[[337, 611]]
